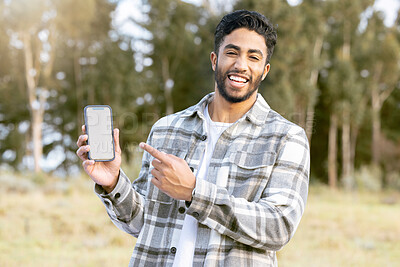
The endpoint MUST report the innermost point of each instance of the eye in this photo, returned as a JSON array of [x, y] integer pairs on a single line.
[[231, 53], [255, 58]]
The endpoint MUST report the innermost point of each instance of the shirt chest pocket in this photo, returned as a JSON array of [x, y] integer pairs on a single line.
[[155, 194], [249, 173]]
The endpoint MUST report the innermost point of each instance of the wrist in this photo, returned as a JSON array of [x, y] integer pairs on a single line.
[[188, 202], [111, 187]]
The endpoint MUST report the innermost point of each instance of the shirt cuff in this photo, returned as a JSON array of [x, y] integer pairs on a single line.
[[120, 191], [203, 200]]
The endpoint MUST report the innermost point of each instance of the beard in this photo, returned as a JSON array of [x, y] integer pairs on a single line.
[[220, 79]]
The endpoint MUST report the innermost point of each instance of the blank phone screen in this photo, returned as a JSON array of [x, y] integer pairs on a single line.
[[98, 121]]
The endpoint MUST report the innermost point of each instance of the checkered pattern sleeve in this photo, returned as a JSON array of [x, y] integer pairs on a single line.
[[125, 204], [271, 221]]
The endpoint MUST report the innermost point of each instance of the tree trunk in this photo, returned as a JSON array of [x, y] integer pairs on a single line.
[[377, 99], [376, 120], [332, 152], [313, 83], [78, 88], [346, 41], [169, 109], [310, 122], [353, 143], [301, 117], [376, 130], [346, 147], [361, 107], [36, 106], [346, 151], [37, 124]]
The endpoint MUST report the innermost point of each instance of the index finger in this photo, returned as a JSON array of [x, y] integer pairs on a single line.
[[84, 128], [154, 152]]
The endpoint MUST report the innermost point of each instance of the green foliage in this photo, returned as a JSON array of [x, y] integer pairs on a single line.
[[323, 62], [180, 52], [25, 14], [369, 178], [74, 18]]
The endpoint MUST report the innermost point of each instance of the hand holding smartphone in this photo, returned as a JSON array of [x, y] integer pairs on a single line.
[[98, 147], [99, 128]]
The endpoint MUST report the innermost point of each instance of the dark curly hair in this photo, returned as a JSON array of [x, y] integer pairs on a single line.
[[250, 20]]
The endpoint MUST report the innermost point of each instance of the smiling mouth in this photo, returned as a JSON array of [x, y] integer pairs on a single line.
[[238, 79]]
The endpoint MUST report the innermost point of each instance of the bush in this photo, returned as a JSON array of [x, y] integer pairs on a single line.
[[368, 178], [393, 180]]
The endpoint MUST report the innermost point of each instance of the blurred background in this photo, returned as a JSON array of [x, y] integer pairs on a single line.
[[335, 71]]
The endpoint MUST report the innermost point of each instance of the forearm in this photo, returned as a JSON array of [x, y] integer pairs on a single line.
[[124, 205], [265, 224], [269, 221]]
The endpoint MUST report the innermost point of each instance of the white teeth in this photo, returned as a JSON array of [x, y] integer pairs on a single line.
[[237, 79]]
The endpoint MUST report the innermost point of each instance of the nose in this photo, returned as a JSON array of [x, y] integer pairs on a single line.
[[241, 64]]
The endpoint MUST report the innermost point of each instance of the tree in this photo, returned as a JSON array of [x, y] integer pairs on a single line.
[[44, 27], [292, 82], [173, 25], [344, 82], [88, 70], [74, 21], [381, 67], [13, 115], [28, 19]]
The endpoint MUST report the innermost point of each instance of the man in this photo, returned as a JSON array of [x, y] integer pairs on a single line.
[[223, 183]]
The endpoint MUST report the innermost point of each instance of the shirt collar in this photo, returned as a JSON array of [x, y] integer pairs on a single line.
[[259, 111], [257, 114], [199, 107]]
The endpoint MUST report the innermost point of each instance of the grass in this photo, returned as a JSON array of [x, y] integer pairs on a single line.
[[44, 226], [346, 229], [69, 228]]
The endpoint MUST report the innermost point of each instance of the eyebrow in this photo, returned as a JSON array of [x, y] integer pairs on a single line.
[[232, 46]]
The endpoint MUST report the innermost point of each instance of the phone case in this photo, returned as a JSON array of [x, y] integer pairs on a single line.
[[112, 132]]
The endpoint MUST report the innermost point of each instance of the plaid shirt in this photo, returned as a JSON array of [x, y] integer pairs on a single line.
[[248, 206]]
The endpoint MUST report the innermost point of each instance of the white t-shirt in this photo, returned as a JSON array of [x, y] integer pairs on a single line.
[[185, 250]]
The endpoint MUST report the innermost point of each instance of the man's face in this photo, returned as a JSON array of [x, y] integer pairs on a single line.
[[240, 65]]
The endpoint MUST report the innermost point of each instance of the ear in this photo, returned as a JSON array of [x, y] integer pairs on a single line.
[[266, 70], [213, 59]]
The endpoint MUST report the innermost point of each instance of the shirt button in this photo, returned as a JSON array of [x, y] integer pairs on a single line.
[[203, 137], [173, 250], [181, 210], [117, 195], [196, 215]]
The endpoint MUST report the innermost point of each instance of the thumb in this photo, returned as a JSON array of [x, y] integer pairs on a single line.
[[116, 141]]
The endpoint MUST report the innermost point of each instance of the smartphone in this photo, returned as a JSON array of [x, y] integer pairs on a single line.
[[99, 128]]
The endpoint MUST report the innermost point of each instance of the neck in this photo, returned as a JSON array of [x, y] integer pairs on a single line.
[[221, 110]]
